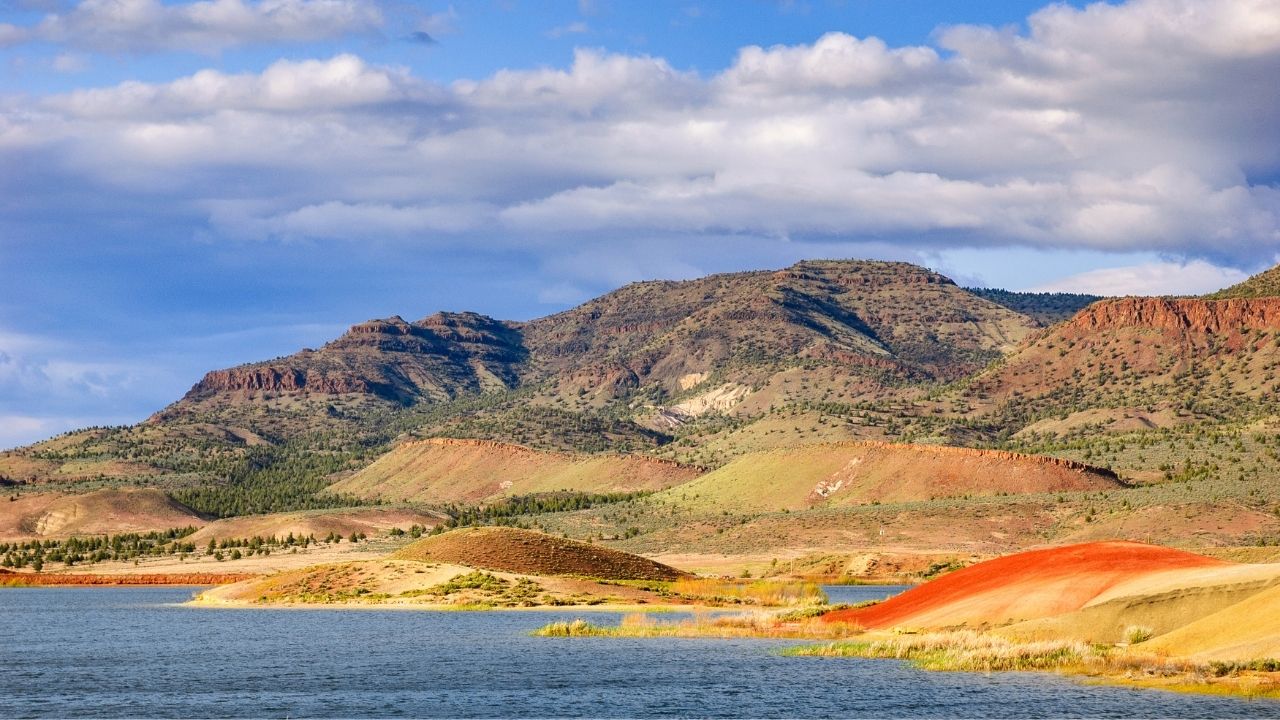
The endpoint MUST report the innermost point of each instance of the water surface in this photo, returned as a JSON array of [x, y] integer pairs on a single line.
[[130, 652]]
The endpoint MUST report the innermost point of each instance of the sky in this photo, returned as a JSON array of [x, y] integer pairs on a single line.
[[192, 185]]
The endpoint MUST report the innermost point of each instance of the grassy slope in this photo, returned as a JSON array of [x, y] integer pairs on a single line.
[[458, 471], [839, 474]]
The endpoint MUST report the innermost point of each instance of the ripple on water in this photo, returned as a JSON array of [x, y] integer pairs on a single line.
[[127, 652]]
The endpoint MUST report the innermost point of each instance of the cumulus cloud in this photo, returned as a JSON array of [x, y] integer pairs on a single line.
[[1160, 278], [202, 26], [1150, 125]]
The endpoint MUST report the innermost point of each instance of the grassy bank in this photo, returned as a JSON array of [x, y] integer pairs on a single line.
[[966, 651]]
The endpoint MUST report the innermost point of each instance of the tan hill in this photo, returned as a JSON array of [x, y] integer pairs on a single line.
[[414, 584], [1162, 603], [318, 523], [1137, 363], [1241, 632], [861, 473], [534, 553], [444, 471], [103, 512]]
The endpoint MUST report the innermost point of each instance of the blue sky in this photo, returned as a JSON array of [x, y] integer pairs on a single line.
[[186, 186]]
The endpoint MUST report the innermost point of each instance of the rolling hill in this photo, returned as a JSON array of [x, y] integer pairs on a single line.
[[443, 471], [862, 473]]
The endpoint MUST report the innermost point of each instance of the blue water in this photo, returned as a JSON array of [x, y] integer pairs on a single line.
[[129, 652], [854, 594]]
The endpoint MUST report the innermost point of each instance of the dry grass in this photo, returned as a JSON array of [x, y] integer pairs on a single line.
[[769, 593], [971, 651], [758, 624], [966, 650]]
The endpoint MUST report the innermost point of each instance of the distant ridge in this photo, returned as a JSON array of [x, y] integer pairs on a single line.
[[1264, 284]]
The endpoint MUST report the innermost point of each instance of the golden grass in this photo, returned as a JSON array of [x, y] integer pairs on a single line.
[[970, 651], [772, 593], [965, 650]]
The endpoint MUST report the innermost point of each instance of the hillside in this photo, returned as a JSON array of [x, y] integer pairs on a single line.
[[861, 473], [444, 471], [1048, 308], [1264, 284], [534, 553], [315, 523], [662, 367], [1139, 363], [112, 511]]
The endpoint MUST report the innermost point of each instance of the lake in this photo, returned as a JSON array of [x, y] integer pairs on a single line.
[[130, 652]]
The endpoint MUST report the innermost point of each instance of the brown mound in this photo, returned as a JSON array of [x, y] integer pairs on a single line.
[[534, 553], [102, 512], [1024, 586]]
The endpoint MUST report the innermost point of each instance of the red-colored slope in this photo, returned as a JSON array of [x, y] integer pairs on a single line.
[[1039, 583]]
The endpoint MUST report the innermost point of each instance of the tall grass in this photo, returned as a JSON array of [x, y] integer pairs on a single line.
[[966, 650], [770, 593]]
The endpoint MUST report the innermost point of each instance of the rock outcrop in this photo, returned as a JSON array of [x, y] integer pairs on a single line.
[[1204, 316]]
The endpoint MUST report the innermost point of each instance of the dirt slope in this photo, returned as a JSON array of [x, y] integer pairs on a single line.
[[858, 473], [534, 553], [109, 511], [1025, 586], [319, 523], [1160, 602], [1249, 629], [443, 470]]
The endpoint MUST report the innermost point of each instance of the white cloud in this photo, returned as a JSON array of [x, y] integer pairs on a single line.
[[1160, 278], [202, 26], [1148, 126]]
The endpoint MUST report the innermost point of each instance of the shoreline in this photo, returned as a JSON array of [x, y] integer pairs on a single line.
[[28, 580], [199, 601]]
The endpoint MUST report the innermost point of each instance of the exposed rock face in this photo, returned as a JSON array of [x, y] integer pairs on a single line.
[[286, 379], [870, 319], [1206, 316], [441, 354]]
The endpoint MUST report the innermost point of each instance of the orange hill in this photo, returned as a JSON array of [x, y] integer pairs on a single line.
[[1024, 586], [533, 553], [442, 470]]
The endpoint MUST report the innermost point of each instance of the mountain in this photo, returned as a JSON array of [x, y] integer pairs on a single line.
[[437, 357], [649, 365], [705, 371], [1134, 363]]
